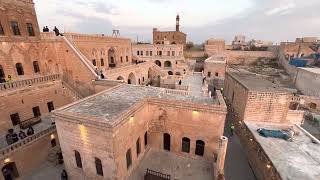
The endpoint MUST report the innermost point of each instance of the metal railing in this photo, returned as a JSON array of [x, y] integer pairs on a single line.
[[28, 82], [158, 174]]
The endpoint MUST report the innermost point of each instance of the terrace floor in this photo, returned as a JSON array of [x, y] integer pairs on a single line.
[[194, 81], [180, 168]]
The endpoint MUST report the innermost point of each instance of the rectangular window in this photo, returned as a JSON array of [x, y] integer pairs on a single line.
[[121, 59], [141, 53], [15, 28], [1, 29], [30, 29], [138, 52], [15, 119], [138, 147], [168, 53], [150, 53], [147, 53], [102, 62], [173, 53], [50, 106], [36, 111], [127, 58], [160, 53]]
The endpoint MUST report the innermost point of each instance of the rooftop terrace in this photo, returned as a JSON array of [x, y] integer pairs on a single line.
[[109, 104], [297, 160], [254, 82]]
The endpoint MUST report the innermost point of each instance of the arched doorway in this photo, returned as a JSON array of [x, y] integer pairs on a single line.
[[2, 75], [170, 73], [19, 69], [199, 148], [166, 141], [36, 67], [131, 79], [185, 145], [120, 78], [167, 64], [158, 63], [112, 58], [10, 171]]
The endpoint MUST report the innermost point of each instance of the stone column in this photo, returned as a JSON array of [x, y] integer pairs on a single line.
[[223, 142]]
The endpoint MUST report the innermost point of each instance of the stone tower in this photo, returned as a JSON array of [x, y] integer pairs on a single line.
[[178, 23]]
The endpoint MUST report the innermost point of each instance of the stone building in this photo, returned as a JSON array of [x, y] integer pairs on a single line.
[[256, 99], [169, 57], [40, 72], [174, 37], [213, 46], [108, 135]]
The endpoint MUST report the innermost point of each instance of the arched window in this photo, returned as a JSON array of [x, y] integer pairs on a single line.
[[53, 142], [94, 62], [217, 74], [2, 75], [36, 67], [19, 68], [129, 159], [121, 59], [112, 58], [185, 145], [78, 159], [199, 148], [145, 139], [98, 166], [139, 81], [102, 62], [166, 141], [170, 73], [158, 63], [138, 148], [142, 79]]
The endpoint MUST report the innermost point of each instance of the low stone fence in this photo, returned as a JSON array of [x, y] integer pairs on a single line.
[[28, 82], [177, 92], [295, 116], [182, 87]]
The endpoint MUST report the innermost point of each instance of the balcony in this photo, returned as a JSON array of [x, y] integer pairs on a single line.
[[28, 82]]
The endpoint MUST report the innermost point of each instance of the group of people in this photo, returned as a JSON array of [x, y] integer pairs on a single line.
[[99, 73], [55, 30], [13, 137]]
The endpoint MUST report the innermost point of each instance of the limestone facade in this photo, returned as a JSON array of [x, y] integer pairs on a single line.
[[215, 67], [147, 123], [256, 99]]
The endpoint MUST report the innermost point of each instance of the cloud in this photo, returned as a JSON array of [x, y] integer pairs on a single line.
[[281, 10], [276, 20]]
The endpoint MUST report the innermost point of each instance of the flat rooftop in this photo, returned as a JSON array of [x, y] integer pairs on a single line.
[[255, 82], [108, 104], [178, 167], [313, 70], [219, 58], [297, 160]]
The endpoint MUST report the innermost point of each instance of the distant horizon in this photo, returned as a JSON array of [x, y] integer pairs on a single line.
[[275, 20]]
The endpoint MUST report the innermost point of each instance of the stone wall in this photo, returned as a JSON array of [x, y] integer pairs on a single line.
[[308, 82], [24, 99], [247, 57], [174, 37]]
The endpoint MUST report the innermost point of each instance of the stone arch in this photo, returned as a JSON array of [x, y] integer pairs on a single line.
[[120, 78], [157, 62], [112, 57], [131, 79], [10, 171], [170, 73], [167, 64]]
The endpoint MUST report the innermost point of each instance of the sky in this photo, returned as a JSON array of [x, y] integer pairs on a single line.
[[275, 20]]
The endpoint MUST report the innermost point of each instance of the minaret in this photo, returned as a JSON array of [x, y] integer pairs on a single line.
[[177, 23]]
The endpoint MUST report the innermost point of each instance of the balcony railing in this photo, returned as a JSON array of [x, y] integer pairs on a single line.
[[28, 82], [27, 140], [158, 175]]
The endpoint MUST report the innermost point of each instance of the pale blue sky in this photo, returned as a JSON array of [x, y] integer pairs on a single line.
[[276, 20]]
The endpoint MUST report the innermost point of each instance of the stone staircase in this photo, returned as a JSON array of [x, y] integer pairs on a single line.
[[82, 57]]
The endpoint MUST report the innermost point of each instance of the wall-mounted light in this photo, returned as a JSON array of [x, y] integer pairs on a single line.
[[7, 160], [131, 119], [268, 166], [251, 139], [194, 112], [52, 136]]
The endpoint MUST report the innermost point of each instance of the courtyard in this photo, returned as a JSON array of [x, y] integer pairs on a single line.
[[178, 167]]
